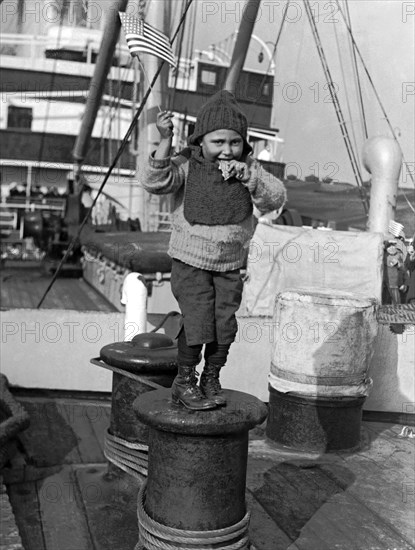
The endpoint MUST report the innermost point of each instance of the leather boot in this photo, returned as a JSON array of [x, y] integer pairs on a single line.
[[210, 385], [185, 390]]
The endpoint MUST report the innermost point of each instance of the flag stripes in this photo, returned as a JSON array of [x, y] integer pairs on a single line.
[[142, 37]]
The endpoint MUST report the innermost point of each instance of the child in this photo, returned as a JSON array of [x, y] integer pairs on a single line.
[[212, 227]]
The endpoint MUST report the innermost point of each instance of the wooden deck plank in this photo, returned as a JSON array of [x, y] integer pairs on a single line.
[[25, 504], [111, 507], [345, 512], [359, 525], [101, 423], [49, 440], [80, 418], [264, 533], [299, 497], [284, 503], [298, 501], [383, 446], [28, 474], [314, 487], [23, 288], [63, 517], [387, 492]]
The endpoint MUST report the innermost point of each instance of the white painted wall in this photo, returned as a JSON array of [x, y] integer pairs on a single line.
[[392, 370], [52, 349], [48, 348]]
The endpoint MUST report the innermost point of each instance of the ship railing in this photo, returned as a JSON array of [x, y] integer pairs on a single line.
[[163, 221], [8, 222], [36, 45], [13, 219], [31, 206]]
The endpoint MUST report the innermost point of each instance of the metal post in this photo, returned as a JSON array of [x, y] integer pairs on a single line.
[[103, 64], [382, 158], [242, 43], [149, 137]]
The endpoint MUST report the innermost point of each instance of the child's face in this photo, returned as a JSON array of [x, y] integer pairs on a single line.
[[222, 145]]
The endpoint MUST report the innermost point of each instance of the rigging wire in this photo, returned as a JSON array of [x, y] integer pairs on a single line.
[[342, 70], [114, 101], [143, 7], [176, 76], [288, 112], [115, 160], [337, 106], [376, 95], [114, 105], [182, 141], [357, 77], [190, 46], [144, 72]]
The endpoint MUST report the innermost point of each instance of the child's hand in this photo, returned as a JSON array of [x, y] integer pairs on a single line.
[[165, 124], [239, 170]]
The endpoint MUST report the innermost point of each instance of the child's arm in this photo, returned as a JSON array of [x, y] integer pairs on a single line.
[[162, 174], [267, 192], [165, 127]]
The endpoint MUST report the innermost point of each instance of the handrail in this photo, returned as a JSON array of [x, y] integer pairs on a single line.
[[39, 41], [28, 205], [9, 38]]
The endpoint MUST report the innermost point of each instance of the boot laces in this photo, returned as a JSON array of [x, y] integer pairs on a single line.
[[194, 387], [212, 383]]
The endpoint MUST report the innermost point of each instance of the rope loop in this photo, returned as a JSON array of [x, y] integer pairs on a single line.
[[155, 536], [130, 457]]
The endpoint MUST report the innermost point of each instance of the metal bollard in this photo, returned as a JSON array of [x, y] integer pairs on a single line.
[[197, 470], [145, 364], [319, 375]]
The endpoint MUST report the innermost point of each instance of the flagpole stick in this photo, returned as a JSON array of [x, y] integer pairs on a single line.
[[114, 162], [148, 81]]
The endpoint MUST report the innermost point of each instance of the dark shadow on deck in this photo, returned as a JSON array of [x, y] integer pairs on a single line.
[[292, 493]]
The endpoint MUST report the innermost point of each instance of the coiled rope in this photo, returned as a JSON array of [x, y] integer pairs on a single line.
[[396, 314], [130, 457], [155, 536]]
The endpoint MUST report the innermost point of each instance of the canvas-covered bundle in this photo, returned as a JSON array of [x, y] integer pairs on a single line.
[[283, 257]]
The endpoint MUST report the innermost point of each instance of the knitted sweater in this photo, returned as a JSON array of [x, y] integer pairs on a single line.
[[210, 247]]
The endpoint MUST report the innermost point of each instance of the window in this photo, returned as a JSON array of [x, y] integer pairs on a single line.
[[208, 77], [19, 117]]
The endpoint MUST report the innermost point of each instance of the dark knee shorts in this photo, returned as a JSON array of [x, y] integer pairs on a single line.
[[208, 301]]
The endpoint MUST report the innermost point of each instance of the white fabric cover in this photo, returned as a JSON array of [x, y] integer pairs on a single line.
[[283, 257], [323, 344]]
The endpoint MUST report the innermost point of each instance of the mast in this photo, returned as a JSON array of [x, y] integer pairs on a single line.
[[157, 15], [242, 43], [102, 67]]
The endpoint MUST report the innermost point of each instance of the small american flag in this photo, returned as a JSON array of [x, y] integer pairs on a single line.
[[142, 37]]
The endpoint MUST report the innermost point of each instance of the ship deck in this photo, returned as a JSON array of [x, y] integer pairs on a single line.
[[23, 285], [64, 498]]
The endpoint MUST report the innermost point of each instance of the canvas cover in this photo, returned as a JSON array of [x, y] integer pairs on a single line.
[[324, 341], [285, 257]]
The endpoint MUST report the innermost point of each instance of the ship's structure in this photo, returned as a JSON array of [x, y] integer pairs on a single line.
[[47, 69], [50, 332]]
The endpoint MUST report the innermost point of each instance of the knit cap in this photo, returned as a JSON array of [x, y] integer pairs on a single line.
[[221, 111]]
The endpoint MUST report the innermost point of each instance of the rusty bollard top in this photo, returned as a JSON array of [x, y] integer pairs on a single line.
[[242, 413], [148, 352]]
